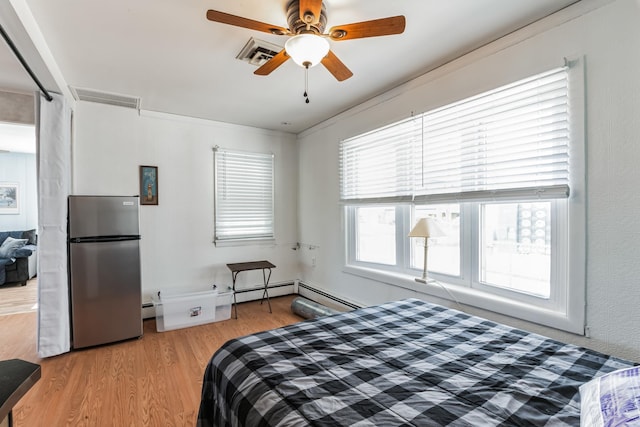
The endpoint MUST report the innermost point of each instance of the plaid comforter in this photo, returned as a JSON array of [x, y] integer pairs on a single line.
[[404, 363]]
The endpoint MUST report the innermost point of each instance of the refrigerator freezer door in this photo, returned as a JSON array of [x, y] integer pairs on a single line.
[[106, 301], [92, 216]]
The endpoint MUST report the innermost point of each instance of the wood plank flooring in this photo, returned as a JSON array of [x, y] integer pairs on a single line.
[[152, 381], [15, 298]]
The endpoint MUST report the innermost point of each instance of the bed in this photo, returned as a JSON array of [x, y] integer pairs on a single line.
[[403, 363]]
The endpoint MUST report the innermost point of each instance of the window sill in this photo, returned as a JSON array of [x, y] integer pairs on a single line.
[[472, 297]]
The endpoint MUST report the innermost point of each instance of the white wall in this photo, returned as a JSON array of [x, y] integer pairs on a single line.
[[110, 143], [20, 168], [609, 39]]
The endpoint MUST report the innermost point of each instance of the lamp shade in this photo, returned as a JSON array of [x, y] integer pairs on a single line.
[[307, 50], [427, 227]]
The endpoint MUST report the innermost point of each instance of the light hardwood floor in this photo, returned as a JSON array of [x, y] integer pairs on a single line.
[[152, 381], [15, 298]]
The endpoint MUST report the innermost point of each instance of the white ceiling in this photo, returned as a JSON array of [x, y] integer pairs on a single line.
[[167, 53]]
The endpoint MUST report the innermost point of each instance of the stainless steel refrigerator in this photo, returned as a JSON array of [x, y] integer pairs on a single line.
[[104, 269]]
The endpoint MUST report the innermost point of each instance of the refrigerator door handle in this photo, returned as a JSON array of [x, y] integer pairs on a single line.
[[103, 239]]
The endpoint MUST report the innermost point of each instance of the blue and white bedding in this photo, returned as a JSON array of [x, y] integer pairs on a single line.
[[404, 363]]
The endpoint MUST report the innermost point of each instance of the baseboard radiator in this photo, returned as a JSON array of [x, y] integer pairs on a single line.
[[279, 289], [325, 298]]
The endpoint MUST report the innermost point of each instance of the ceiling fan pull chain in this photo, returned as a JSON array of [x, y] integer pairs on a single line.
[[306, 84]]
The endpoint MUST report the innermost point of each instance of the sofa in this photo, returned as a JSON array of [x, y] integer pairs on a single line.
[[18, 256]]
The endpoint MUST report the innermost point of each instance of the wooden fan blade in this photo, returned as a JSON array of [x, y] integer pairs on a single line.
[[336, 67], [374, 28], [238, 21], [266, 68], [310, 11]]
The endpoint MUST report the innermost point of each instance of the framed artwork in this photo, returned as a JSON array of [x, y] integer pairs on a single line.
[[9, 198], [148, 185]]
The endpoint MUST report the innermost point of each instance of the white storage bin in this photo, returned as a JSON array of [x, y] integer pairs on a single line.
[[181, 310], [175, 310], [223, 305]]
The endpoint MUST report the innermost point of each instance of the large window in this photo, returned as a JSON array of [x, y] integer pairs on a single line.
[[494, 171], [243, 196]]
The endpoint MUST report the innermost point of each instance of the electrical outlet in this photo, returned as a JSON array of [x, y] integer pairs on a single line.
[[313, 261]]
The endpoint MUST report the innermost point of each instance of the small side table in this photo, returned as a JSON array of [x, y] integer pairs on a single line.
[[246, 266], [16, 379]]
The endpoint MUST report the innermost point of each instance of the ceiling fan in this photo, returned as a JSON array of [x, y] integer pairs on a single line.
[[308, 44]]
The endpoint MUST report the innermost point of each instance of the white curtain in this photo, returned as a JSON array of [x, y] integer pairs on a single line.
[[54, 182]]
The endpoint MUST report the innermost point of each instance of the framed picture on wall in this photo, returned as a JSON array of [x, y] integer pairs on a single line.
[[9, 198], [148, 185]]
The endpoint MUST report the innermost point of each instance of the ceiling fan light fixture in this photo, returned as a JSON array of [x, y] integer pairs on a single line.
[[307, 50]]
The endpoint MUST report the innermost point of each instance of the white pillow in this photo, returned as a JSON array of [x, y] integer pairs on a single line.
[[612, 399], [10, 245]]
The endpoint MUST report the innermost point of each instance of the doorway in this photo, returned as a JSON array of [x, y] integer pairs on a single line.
[[18, 176]]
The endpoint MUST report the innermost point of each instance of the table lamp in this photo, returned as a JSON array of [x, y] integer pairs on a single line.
[[427, 228]]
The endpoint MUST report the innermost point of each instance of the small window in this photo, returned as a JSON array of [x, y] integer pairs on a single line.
[[244, 208], [515, 247], [445, 256], [376, 234]]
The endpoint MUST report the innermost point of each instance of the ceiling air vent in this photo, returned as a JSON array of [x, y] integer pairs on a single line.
[[90, 95], [257, 52]]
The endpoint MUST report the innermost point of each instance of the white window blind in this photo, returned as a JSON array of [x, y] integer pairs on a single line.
[[244, 207], [379, 165], [503, 144]]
